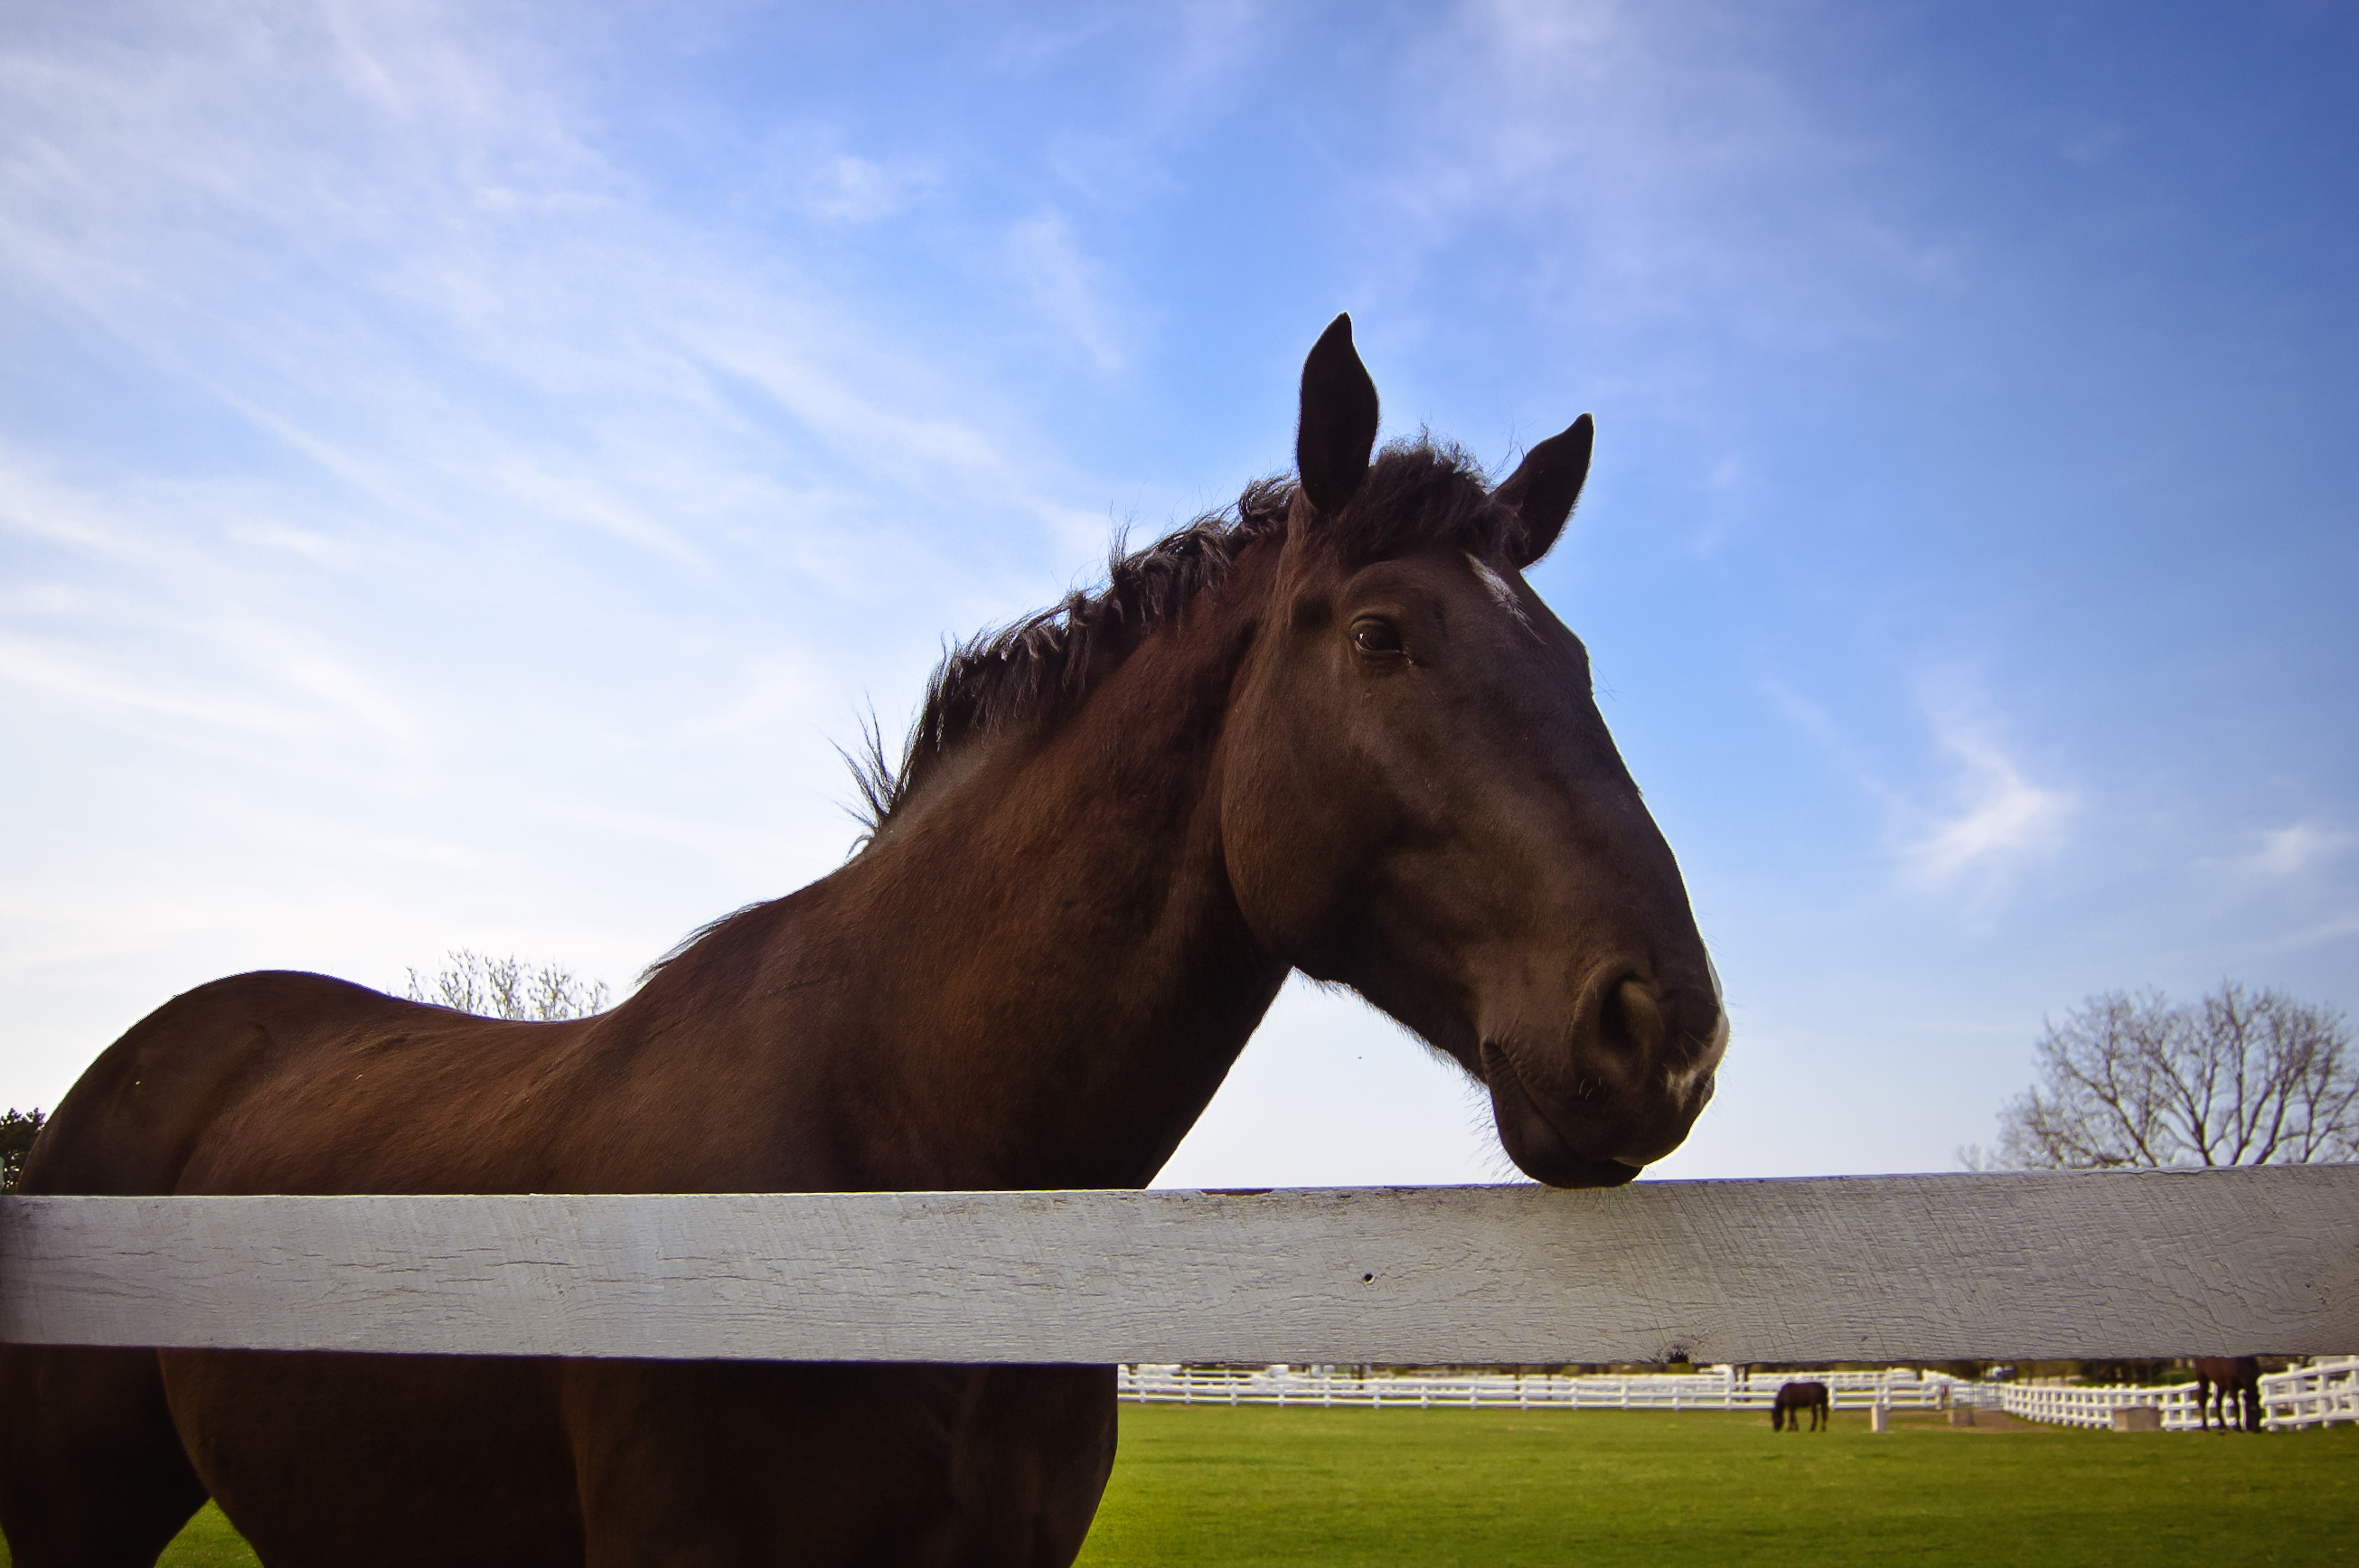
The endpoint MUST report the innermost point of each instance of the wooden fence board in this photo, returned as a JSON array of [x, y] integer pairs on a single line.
[[1873, 1268]]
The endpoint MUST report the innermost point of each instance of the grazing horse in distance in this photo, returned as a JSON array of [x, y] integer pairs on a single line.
[[2228, 1381], [1332, 729], [1793, 1399]]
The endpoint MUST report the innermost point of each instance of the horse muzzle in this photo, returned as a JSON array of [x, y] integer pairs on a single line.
[[1620, 1094]]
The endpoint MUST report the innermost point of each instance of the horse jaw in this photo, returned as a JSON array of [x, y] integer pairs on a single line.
[[1619, 1090], [1531, 1140]]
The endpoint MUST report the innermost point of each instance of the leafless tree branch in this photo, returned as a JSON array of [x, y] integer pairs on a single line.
[[2238, 1077], [508, 988]]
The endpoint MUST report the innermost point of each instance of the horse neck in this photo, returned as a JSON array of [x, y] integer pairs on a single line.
[[1070, 975]]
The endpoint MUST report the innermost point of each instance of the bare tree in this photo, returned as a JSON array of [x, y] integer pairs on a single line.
[[2235, 1078], [17, 1131], [508, 988]]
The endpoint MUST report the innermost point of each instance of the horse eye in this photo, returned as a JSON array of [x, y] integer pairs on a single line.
[[1375, 637]]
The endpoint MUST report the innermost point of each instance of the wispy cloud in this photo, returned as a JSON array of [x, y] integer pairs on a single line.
[[313, 225], [466, 477], [1065, 286], [1675, 159], [67, 672], [2334, 929], [808, 171], [1983, 818], [1995, 815], [853, 190], [558, 496], [1186, 65], [172, 600], [2288, 852]]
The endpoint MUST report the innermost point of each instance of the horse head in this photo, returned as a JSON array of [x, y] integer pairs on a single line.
[[1421, 799]]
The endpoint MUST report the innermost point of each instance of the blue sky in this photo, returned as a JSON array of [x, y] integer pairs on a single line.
[[461, 467]]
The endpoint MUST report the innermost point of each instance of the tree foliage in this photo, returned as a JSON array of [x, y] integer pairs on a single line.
[[17, 1130], [2237, 1077], [508, 988]]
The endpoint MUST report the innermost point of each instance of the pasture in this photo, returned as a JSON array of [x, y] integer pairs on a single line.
[[1265, 1486], [1496, 1487]]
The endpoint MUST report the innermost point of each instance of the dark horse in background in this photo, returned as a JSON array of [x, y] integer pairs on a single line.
[[1793, 1399], [2224, 1382], [1333, 730]]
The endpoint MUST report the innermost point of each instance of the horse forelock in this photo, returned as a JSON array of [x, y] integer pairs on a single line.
[[1417, 495], [1423, 494]]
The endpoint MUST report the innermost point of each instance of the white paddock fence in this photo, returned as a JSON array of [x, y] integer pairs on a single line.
[[2325, 1391], [1716, 1388], [1874, 1268]]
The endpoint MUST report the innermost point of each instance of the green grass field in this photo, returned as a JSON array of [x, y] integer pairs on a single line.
[[1599, 1489]]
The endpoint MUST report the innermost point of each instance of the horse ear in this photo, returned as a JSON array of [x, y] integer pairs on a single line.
[[1544, 486], [1338, 420]]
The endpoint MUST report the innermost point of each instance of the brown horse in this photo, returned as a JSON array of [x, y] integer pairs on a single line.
[[2225, 1382], [1793, 1399], [1333, 730]]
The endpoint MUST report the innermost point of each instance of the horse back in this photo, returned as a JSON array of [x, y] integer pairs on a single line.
[[292, 1083]]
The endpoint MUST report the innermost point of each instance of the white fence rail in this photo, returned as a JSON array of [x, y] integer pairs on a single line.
[[1869, 1268], [2325, 1391], [1718, 1389], [2095, 1406]]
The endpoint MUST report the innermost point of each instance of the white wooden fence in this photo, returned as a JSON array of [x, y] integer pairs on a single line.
[[1719, 1388], [1884, 1269], [2094, 1406], [2325, 1391]]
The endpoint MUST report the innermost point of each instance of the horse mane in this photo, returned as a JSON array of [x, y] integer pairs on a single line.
[[1033, 671], [1419, 494]]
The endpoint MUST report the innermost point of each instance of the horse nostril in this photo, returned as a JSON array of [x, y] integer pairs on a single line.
[[1632, 1016]]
